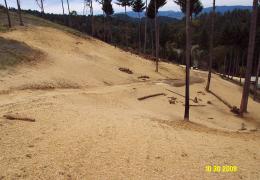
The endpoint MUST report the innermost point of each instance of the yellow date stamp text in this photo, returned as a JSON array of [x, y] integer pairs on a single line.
[[220, 169]]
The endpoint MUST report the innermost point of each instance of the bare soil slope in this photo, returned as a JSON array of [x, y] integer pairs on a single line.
[[90, 125]]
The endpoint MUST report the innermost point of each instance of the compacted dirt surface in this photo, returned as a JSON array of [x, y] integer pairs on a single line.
[[87, 121]]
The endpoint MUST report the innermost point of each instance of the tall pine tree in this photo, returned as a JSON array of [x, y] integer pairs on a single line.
[[152, 11], [138, 6]]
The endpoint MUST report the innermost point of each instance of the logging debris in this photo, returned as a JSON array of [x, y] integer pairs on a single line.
[[126, 70], [18, 117], [152, 95], [180, 95]]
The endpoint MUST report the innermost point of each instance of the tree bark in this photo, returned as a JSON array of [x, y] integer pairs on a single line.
[[139, 32], [229, 67], [92, 18], [152, 38], [256, 78], [126, 30], [145, 27], [233, 65], [69, 12], [19, 12], [188, 53], [211, 45], [250, 56], [224, 70], [63, 11], [8, 15], [240, 79], [104, 34], [111, 35], [156, 37], [42, 8], [237, 64]]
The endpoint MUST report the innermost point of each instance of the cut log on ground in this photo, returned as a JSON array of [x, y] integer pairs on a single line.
[[143, 77], [126, 70], [152, 95], [18, 117]]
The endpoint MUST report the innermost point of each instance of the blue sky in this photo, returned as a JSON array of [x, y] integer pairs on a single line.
[[54, 6]]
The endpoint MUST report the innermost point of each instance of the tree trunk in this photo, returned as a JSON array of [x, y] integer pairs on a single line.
[[233, 65], [92, 18], [111, 34], [250, 56], [237, 64], [243, 57], [69, 12], [211, 45], [63, 11], [156, 37], [188, 53], [152, 39], [139, 32], [42, 8], [19, 12], [256, 78], [224, 69], [230, 65], [8, 15], [104, 34], [145, 27], [126, 30]]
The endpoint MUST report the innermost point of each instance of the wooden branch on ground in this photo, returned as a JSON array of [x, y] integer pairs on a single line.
[[179, 94], [198, 105], [17, 117], [152, 95]]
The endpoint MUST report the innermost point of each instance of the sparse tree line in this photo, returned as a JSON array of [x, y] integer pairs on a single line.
[[227, 43]]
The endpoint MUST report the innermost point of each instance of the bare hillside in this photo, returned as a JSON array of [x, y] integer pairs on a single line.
[[87, 121]]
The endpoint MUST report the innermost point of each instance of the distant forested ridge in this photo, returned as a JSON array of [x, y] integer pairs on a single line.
[[180, 15]]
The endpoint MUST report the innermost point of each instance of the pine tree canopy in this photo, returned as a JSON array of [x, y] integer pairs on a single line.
[[138, 6], [124, 3], [108, 8], [151, 6], [195, 6]]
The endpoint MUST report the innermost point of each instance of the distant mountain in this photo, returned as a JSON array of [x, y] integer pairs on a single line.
[[179, 15], [223, 9], [162, 19]]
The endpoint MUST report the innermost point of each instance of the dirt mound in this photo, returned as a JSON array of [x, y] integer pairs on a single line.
[[48, 86], [181, 82], [13, 52]]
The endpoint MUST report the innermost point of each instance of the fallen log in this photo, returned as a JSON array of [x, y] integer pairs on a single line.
[[179, 94], [126, 70], [199, 105], [222, 100], [17, 117], [176, 93], [149, 96]]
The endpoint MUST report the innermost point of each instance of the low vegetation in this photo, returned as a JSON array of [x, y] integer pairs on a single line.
[[14, 52]]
